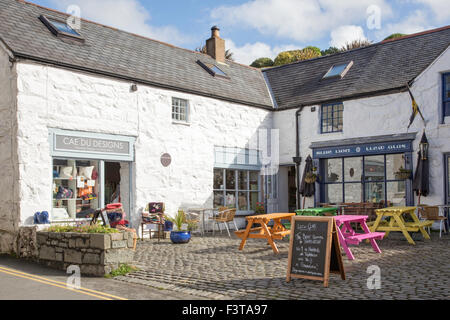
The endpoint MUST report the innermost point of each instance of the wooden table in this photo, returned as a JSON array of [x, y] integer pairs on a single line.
[[397, 223], [347, 236], [277, 232]]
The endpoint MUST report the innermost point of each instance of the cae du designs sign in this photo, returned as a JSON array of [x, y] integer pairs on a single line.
[[91, 145]]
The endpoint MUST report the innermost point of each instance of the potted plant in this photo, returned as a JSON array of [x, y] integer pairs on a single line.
[[310, 177], [260, 209], [181, 234]]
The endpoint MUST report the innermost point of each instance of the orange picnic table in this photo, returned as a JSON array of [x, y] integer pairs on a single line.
[[276, 232]]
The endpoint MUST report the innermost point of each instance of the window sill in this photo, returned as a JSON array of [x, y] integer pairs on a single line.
[[334, 132], [183, 123]]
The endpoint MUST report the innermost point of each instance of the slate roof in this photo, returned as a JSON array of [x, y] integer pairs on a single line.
[[128, 56], [377, 69]]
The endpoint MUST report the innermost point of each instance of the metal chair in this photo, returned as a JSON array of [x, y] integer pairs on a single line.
[[225, 216]]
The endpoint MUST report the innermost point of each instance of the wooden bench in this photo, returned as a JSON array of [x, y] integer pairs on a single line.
[[356, 239]]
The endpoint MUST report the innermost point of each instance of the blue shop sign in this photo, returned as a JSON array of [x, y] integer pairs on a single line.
[[362, 149]]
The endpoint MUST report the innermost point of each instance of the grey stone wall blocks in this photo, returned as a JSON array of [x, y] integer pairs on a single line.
[[96, 254]]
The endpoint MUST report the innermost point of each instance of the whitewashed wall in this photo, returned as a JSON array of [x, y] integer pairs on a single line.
[[382, 115], [8, 191], [50, 97]]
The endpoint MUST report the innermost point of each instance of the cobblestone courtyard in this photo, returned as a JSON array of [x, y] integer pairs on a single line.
[[213, 268]]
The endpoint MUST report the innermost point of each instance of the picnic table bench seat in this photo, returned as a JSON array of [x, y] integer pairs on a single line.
[[357, 238]]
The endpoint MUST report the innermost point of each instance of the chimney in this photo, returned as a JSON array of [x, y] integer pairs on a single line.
[[215, 46]]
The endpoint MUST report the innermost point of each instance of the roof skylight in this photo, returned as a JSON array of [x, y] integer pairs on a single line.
[[213, 69], [338, 70], [60, 28]]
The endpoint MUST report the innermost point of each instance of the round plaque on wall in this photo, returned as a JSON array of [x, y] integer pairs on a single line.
[[166, 159]]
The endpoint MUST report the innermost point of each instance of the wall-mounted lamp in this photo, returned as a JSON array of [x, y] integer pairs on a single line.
[[133, 87], [424, 147]]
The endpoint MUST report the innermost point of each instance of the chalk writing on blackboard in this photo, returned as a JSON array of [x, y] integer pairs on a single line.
[[310, 248]]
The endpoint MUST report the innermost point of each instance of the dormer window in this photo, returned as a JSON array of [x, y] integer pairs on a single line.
[[338, 71], [213, 69], [60, 28]]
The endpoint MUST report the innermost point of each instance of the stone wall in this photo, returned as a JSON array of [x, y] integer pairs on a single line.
[[95, 254]]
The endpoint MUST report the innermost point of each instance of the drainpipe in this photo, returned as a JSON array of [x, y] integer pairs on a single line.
[[297, 159]]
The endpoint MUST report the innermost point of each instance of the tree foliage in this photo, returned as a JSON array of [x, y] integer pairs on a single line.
[[262, 63], [291, 56], [355, 44], [394, 36], [330, 50], [228, 53]]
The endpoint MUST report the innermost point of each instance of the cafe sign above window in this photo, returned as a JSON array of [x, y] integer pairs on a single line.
[[362, 149], [91, 145]]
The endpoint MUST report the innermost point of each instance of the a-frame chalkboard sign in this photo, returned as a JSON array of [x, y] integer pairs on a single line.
[[314, 249], [100, 213]]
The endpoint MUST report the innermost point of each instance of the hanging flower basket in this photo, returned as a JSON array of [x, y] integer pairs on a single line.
[[403, 174], [310, 177]]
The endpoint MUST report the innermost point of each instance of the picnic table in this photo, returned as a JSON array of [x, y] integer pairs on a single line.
[[347, 235], [396, 222], [276, 232]]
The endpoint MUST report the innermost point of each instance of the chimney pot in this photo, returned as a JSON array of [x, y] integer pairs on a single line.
[[215, 46]]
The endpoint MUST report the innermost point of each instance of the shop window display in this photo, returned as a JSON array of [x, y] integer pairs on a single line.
[[75, 189]]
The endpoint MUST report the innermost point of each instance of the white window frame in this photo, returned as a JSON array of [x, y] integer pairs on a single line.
[[177, 114]]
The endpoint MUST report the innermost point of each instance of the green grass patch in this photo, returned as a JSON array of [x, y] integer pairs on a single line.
[[121, 271]]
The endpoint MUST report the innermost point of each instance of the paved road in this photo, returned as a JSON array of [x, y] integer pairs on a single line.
[[24, 280], [214, 268]]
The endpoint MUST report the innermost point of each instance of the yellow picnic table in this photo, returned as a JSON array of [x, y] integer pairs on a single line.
[[277, 232], [397, 223]]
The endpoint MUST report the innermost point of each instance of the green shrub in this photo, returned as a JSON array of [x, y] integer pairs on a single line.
[[95, 228]]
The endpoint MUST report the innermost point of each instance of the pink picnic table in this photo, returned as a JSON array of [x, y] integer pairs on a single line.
[[348, 236]]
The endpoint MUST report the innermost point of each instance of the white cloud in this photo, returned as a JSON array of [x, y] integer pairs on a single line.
[[127, 15], [249, 52], [344, 34], [440, 8], [299, 20], [416, 21]]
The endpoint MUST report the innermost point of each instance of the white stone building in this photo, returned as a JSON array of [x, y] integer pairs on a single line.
[[87, 115]]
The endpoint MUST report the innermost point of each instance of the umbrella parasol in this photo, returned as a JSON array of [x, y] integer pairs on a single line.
[[307, 186], [421, 177]]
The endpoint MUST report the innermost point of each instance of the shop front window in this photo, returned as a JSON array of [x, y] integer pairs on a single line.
[[75, 188], [364, 179], [240, 189]]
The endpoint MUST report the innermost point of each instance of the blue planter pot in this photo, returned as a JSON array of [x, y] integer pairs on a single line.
[[180, 236]]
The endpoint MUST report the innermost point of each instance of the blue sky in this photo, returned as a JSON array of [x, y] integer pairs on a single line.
[[257, 28]]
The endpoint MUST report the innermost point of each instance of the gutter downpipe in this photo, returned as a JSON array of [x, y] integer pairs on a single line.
[[297, 159]]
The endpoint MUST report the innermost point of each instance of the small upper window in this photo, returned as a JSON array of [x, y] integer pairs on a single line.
[[338, 71], [213, 69], [60, 28], [332, 117], [180, 109]]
